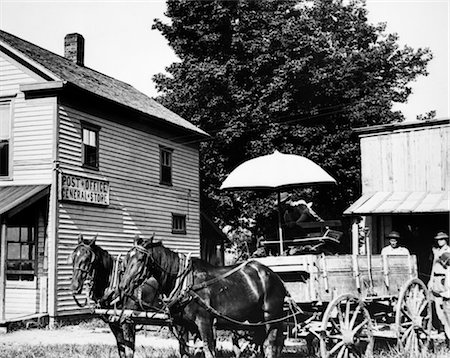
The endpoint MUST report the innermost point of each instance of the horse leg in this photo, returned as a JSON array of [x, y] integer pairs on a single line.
[[273, 344], [183, 337], [205, 328], [125, 337]]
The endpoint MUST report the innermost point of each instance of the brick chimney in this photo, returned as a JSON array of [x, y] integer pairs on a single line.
[[74, 48]]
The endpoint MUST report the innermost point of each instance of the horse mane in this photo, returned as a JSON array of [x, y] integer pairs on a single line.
[[167, 262]]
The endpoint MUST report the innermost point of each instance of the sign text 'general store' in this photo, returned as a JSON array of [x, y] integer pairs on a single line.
[[83, 190]]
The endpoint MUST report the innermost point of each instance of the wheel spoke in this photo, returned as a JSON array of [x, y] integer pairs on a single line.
[[422, 307], [347, 314], [359, 326], [406, 324], [406, 313], [346, 352], [337, 337], [355, 316], [341, 352], [407, 333], [335, 325], [336, 347], [340, 315]]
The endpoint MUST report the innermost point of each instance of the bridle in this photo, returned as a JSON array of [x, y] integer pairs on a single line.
[[89, 271]]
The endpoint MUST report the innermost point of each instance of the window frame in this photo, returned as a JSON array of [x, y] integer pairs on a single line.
[[96, 129], [162, 165], [32, 240], [181, 230], [7, 101]]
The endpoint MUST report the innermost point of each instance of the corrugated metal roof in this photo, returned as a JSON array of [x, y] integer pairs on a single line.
[[394, 202], [96, 82], [11, 196]]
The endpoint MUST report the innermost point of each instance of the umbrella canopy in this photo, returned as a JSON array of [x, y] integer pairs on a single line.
[[276, 171]]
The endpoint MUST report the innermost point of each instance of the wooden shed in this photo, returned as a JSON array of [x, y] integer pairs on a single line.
[[405, 176], [82, 152]]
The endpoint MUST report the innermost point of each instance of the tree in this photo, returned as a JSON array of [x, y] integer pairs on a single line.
[[296, 76]]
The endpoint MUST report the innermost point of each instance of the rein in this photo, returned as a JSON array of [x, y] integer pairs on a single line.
[[182, 290]]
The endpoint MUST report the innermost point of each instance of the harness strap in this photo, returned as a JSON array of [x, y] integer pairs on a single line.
[[180, 282], [216, 313], [205, 284]]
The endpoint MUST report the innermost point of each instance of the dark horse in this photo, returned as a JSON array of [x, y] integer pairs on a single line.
[[249, 294], [92, 262]]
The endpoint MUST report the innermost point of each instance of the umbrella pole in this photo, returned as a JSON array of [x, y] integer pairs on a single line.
[[280, 229]]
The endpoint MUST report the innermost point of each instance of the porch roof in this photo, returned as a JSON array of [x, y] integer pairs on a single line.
[[14, 195], [405, 202]]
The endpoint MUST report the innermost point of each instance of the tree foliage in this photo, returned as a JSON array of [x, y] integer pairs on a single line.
[[296, 76]]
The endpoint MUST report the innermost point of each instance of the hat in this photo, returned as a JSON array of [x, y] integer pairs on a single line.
[[302, 202], [394, 235], [441, 235]]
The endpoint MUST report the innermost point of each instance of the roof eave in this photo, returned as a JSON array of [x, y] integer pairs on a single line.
[[24, 59]]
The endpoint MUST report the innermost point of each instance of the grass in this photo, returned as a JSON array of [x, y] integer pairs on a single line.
[[77, 351], [105, 351]]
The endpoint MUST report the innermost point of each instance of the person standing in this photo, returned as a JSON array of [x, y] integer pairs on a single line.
[[394, 248], [439, 284]]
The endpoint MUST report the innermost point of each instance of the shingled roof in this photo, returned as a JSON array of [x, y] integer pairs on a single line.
[[96, 82]]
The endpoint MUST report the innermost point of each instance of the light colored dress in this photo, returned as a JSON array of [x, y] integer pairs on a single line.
[[389, 250], [439, 286]]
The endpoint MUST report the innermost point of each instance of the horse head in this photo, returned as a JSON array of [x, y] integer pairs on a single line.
[[83, 258], [136, 262]]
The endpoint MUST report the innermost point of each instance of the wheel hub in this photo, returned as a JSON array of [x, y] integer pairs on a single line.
[[347, 336]]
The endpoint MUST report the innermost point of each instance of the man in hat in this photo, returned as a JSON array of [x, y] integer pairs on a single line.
[[294, 213], [394, 248], [439, 283]]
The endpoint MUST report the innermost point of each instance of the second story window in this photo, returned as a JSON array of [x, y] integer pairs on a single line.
[[90, 145], [165, 157], [5, 137]]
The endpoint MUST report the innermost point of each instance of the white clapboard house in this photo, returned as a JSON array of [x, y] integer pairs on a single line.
[[82, 152]]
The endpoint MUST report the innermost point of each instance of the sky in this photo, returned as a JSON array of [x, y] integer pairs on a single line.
[[120, 42]]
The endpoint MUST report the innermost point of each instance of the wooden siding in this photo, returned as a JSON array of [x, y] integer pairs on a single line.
[[21, 298], [139, 204], [32, 126], [12, 75], [406, 160], [32, 146]]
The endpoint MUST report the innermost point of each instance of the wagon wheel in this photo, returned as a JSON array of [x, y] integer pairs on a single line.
[[413, 318], [346, 329]]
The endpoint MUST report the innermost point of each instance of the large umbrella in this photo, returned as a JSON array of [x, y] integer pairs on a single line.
[[276, 172]]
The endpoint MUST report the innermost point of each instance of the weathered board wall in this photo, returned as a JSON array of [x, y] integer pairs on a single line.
[[139, 204], [407, 159]]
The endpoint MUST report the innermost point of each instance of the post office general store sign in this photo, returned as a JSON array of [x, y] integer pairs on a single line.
[[74, 188]]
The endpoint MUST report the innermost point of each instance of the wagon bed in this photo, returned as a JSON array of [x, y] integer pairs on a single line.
[[320, 278]]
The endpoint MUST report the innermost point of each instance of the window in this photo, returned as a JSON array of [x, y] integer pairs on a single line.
[[178, 224], [5, 136], [165, 158], [21, 253], [90, 145]]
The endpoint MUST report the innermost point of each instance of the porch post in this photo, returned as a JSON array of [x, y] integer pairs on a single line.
[[2, 269]]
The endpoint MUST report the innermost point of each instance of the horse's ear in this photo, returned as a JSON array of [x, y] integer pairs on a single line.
[[137, 240], [80, 238], [69, 259], [93, 240]]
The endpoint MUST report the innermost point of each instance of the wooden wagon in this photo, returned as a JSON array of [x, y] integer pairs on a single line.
[[357, 298]]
